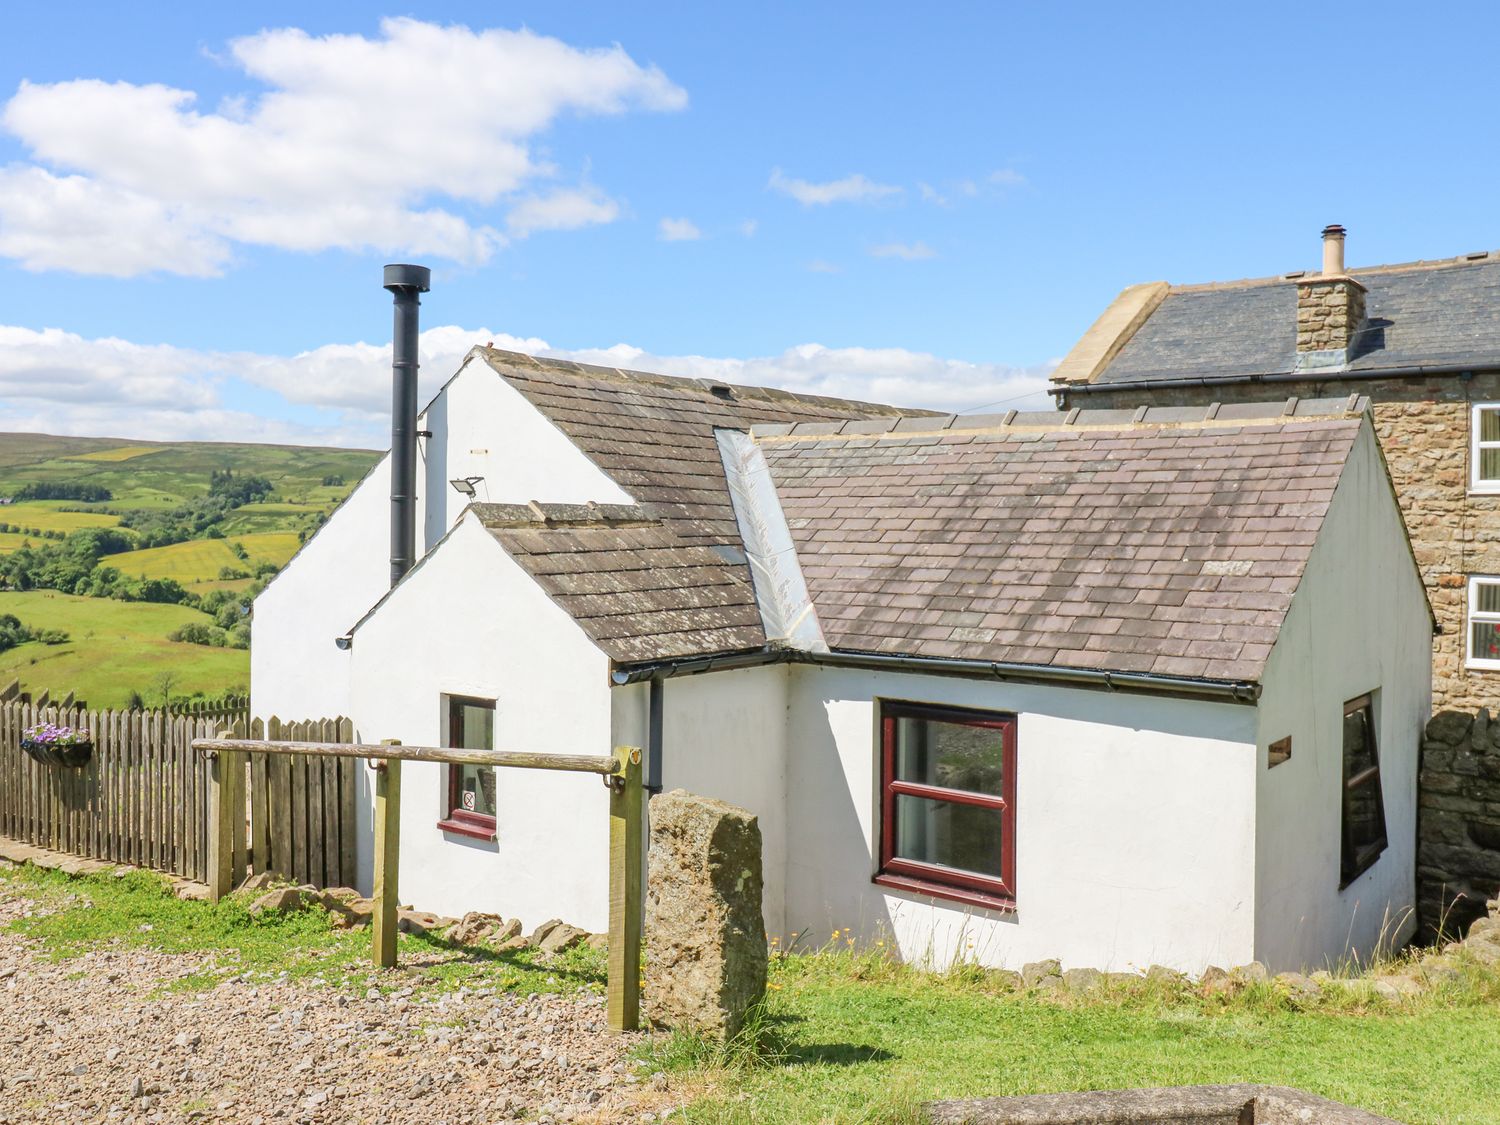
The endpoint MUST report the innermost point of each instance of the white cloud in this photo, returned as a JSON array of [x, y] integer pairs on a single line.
[[818, 265], [749, 227], [906, 251], [1007, 177], [59, 382], [567, 209], [398, 142], [931, 194], [678, 230], [851, 189]]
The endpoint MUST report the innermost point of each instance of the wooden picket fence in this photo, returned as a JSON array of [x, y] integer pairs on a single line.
[[143, 796]]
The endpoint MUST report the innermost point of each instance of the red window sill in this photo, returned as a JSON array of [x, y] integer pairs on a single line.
[[468, 828], [953, 894]]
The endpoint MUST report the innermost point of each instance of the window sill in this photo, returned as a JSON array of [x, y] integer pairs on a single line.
[[464, 828], [1482, 666], [998, 903]]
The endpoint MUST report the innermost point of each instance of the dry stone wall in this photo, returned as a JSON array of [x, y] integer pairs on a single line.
[[1458, 821], [1423, 426]]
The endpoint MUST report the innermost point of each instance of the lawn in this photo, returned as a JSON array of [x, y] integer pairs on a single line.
[[117, 454], [200, 560], [851, 1038], [114, 648]]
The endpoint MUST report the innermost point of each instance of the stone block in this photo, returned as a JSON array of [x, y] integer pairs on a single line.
[[706, 936], [1037, 971]]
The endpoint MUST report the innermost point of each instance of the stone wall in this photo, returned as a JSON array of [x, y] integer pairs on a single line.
[[1458, 819], [1329, 312], [1423, 426]]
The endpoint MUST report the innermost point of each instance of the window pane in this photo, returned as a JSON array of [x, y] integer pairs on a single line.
[[953, 755], [1489, 425], [474, 728], [1359, 747], [1486, 597], [476, 789], [963, 836], [1486, 641], [1489, 464], [1362, 815]]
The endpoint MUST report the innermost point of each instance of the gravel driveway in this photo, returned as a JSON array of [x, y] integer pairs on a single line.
[[115, 1036]]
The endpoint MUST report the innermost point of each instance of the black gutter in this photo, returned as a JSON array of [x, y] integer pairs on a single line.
[[1328, 376], [1229, 691]]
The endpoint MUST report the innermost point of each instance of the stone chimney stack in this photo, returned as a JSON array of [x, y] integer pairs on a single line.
[[1330, 307]]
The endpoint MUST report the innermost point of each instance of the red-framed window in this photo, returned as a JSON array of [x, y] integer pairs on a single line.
[[1364, 836], [471, 789], [948, 801]]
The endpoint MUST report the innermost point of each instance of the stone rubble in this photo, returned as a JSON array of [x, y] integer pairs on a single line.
[[107, 1037]]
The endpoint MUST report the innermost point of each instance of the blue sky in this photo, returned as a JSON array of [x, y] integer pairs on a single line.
[[917, 204]]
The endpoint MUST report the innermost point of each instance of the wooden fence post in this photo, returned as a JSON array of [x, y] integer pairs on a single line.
[[226, 818], [625, 891], [387, 857]]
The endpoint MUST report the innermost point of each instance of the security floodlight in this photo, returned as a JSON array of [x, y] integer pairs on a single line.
[[465, 485]]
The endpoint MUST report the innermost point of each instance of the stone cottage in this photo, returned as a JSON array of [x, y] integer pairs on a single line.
[[1421, 340]]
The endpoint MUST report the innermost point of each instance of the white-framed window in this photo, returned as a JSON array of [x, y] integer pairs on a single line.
[[1484, 622], [1484, 448]]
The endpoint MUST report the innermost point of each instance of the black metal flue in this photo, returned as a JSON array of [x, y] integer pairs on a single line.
[[406, 283]]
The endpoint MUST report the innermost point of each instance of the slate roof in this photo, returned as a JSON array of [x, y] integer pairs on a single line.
[[653, 434], [636, 589], [1423, 314], [1154, 541]]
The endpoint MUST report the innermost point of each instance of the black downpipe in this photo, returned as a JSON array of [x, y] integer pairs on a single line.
[[656, 707], [405, 284]]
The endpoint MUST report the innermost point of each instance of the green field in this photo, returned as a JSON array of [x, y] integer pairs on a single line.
[[46, 515], [199, 561], [119, 647], [114, 648]]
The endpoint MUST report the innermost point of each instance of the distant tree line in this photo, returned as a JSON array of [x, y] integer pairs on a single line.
[[199, 517], [17, 529], [62, 490]]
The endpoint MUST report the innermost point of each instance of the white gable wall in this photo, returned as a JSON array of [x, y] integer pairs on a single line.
[[1135, 828], [724, 735], [470, 622], [481, 426], [1358, 623]]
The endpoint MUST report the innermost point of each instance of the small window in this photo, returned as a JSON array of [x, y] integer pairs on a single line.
[[948, 781], [1484, 623], [1364, 804], [1484, 441], [471, 789], [1279, 751]]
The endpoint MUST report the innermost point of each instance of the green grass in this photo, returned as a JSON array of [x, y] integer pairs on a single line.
[[114, 648], [200, 560], [846, 1039], [139, 911], [45, 516]]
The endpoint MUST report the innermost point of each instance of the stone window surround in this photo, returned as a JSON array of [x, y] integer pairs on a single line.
[[1473, 616], [1477, 483], [936, 881]]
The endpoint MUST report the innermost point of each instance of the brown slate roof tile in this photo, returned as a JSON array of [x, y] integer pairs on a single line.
[[1172, 549], [635, 588]]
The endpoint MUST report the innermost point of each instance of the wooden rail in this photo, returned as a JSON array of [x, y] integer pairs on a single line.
[[626, 840]]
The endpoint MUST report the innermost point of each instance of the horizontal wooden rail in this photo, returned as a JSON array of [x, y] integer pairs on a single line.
[[573, 763]]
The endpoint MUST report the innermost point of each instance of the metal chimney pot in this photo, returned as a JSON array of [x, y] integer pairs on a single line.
[[406, 283]]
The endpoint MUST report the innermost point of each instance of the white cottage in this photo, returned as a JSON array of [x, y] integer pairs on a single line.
[[1117, 687]]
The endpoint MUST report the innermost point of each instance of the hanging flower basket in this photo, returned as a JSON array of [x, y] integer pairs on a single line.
[[52, 745]]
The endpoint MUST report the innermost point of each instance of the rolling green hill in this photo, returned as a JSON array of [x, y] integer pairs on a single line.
[[119, 647]]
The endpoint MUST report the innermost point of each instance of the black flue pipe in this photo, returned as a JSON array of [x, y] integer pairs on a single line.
[[406, 283]]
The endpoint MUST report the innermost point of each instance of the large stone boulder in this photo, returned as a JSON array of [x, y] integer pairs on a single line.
[[705, 934]]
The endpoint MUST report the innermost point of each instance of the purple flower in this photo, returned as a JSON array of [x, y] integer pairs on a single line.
[[50, 734]]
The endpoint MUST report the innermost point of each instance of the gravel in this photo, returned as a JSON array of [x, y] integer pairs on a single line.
[[99, 1038]]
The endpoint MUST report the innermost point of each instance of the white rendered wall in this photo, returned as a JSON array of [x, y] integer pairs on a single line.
[[481, 426], [1135, 834], [296, 671], [470, 622], [1358, 623], [724, 736]]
